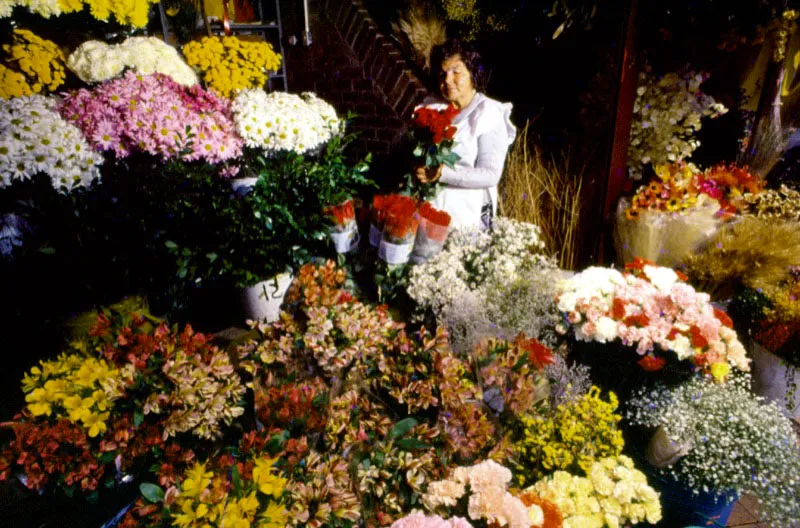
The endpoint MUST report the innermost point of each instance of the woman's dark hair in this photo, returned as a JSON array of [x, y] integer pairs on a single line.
[[470, 57]]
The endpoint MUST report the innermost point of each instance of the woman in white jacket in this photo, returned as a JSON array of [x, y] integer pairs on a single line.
[[483, 134]]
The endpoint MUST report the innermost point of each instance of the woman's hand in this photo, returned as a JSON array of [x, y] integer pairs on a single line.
[[429, 174]]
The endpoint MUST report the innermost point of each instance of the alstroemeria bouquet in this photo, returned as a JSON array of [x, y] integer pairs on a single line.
[[155, 115], [433, 131], [652, 308]]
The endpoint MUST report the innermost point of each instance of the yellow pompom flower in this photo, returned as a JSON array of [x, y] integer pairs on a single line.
[[229, 64], [30, 65]]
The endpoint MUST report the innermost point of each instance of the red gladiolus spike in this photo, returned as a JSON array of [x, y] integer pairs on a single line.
[[618, 310], [652, 363], [723, 318]]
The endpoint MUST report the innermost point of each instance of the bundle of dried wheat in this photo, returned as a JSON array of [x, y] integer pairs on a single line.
[[420, 29]]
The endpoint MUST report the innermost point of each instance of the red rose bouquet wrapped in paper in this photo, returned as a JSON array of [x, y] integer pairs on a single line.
[[433, 131], [400, 223], [343, 229], [432, 232]]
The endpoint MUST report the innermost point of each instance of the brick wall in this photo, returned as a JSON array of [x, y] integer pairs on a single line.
[[356, 68]]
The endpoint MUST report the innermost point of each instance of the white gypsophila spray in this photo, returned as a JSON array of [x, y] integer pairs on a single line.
[[35, 139], [281, 121], [667, 113], [738, 442], [489, 283]]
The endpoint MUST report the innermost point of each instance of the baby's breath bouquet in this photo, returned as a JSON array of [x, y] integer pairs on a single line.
[[734, 442], [484, 283]]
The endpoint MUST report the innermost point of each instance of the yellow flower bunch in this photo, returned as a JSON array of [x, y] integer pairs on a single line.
[[614, 493], [31, 65], [127, 12], [205, 499], [578, 434], [82, 389], [230, 64]]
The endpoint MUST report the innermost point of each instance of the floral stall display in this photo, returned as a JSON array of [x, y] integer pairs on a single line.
[[96, 61], [128, 393], [284, 122], [125, 13], [724, 439], [613, 493], [30, 65], [489, 282], [35, 139], [155, 115], [230, 64], [433, 132], [666, 114], [680, 210], [651, 308]]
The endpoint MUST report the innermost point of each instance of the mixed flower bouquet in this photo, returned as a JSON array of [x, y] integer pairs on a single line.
[[731, 442], [125, 13], [667, 113], [35, 139], [95, 61], [155, 115], [284, 122], [31, 65], [230, 64], [433, 132], [679, 210], [653, 309]]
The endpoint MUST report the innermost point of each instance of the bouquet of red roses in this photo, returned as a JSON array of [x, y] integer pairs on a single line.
[[432, 233], [433, 131]]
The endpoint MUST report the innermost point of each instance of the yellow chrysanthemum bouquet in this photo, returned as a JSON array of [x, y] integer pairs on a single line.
[[126, 12], [30, 65], [230, 64]]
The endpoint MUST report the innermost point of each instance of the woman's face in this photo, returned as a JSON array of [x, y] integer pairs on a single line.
[[455, 82]]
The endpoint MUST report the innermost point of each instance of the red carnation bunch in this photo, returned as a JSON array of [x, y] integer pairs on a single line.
[[341, 215], [436, 121]]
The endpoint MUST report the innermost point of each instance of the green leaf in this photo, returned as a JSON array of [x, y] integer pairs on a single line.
[[411, 444], [236, 478], [151, 492], [138, 418], [275, 443], [47, 250], [170, 244], [402, 427]]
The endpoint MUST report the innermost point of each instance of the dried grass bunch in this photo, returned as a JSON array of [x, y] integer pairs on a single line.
[[752, 252], [545, 193], [420, 29]]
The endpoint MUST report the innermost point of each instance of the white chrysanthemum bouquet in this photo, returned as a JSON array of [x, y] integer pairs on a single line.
[[281, 121], [35, 139], [96, 61]]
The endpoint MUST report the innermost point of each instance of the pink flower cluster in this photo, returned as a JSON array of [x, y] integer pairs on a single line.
[[420, 520], [650, 307], [151, 114]]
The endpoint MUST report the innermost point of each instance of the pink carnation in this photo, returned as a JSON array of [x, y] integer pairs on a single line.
[[420, 520], [152, 114]]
